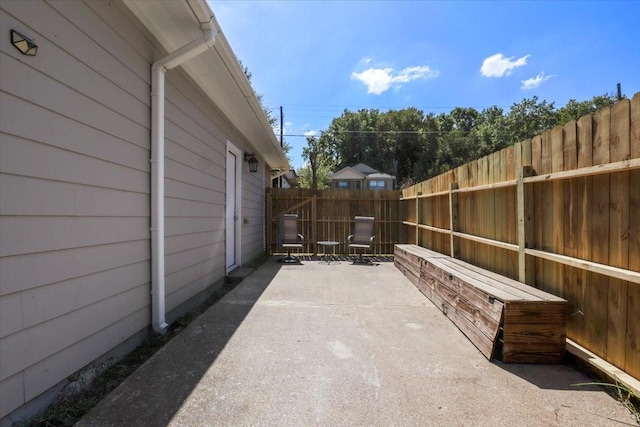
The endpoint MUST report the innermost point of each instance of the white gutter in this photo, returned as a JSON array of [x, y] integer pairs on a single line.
[[158, 70]]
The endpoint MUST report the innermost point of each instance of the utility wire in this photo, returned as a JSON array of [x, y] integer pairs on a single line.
[[401, 132]]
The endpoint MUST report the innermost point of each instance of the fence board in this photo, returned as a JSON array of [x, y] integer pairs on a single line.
[[557, 165], [619, 149], [511, 213], [572, 226], [596, 317], [536, 164], [583, 281], [632, 345], [546, 267], [634, 133]]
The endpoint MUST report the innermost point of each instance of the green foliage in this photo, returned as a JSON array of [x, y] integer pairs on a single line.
[[267, 111], [529, 118], [414, 146], [573, 110], [305, 179], [320, 162]]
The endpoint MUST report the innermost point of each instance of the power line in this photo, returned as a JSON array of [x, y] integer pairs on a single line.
[[396, 132]]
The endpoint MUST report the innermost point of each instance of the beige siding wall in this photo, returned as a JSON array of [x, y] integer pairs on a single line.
[[74, 188]]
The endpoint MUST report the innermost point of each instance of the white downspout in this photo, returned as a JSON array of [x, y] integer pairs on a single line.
[[158, 70]]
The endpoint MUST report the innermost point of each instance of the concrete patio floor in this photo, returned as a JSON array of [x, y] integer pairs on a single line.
[[341, 345]]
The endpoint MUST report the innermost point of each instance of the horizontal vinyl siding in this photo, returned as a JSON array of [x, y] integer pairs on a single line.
[[11, 393], [31, 234], [194, 192], [32, 345], [68, 360], [74, 183], [253, 195]]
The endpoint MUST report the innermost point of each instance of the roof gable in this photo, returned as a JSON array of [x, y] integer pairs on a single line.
[[347, 173], [364, 169]]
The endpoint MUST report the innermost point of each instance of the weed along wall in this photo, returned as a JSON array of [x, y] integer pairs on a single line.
[[560, 212]]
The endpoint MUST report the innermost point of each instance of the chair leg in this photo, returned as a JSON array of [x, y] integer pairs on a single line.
[[289, 259], [359, 259]]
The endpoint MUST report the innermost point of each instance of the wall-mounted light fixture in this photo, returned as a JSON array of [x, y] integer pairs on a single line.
[[252, 160], [25, 45]]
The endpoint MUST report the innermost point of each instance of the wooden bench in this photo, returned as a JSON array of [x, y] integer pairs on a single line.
[[505, 319]]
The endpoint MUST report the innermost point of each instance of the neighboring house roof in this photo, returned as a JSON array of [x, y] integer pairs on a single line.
[[291, 177], [216, 71], [360, 171], [379, 175], [364, 169], [347, 173]]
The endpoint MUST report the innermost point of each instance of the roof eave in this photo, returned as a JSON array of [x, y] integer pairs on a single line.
[[217, 71]]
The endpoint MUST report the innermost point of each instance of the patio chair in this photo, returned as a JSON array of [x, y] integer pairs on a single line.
[[362, 238], [288, 236]]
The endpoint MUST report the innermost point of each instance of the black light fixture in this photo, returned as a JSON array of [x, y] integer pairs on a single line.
[[252, 160], [25, 45]]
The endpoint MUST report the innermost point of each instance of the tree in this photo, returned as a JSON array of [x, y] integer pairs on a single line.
[[529, 118], [317, 153], [393, 142], [573, 109], [492, 131]]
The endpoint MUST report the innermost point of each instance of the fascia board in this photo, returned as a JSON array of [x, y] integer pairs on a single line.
[[216, 71]]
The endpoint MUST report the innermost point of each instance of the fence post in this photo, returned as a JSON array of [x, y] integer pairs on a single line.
[[453, 220], [524, 197], [418, 218], [314, 221]]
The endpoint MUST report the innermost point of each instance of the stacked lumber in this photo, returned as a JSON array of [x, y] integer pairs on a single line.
[[503, 318]]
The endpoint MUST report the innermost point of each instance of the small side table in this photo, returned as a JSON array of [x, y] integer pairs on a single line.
[[326, 257]]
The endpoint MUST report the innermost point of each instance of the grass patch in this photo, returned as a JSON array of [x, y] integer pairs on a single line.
[[622, 394]]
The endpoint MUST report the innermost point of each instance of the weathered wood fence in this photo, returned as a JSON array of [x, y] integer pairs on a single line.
[[329, 215], [560, 212]]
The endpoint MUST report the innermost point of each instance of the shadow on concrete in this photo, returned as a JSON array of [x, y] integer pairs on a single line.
[[551, 377], [156, 391], [344, 258]]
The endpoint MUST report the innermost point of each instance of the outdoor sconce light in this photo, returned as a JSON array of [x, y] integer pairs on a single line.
[[252, 160], [25, 45]]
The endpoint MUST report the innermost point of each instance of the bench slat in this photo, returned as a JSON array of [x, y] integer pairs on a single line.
[[508, 281], [511, 293], [497, 292]]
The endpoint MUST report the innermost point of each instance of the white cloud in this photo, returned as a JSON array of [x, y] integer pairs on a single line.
[[379, 80], [498, 65], [310, 133], [534, 82]]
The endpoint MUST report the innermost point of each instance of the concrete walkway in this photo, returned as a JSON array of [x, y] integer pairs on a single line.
[[341, 345]]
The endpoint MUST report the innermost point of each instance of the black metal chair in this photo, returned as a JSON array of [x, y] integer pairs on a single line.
[[288, 236], [362, 238]]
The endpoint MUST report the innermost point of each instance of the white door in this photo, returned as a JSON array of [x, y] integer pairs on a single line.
[[234, 167]]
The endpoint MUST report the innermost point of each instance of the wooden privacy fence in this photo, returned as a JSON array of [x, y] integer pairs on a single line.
[[560, 212], [329, 215]]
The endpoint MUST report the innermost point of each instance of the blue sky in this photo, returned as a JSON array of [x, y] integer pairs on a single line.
[[318, 58]]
